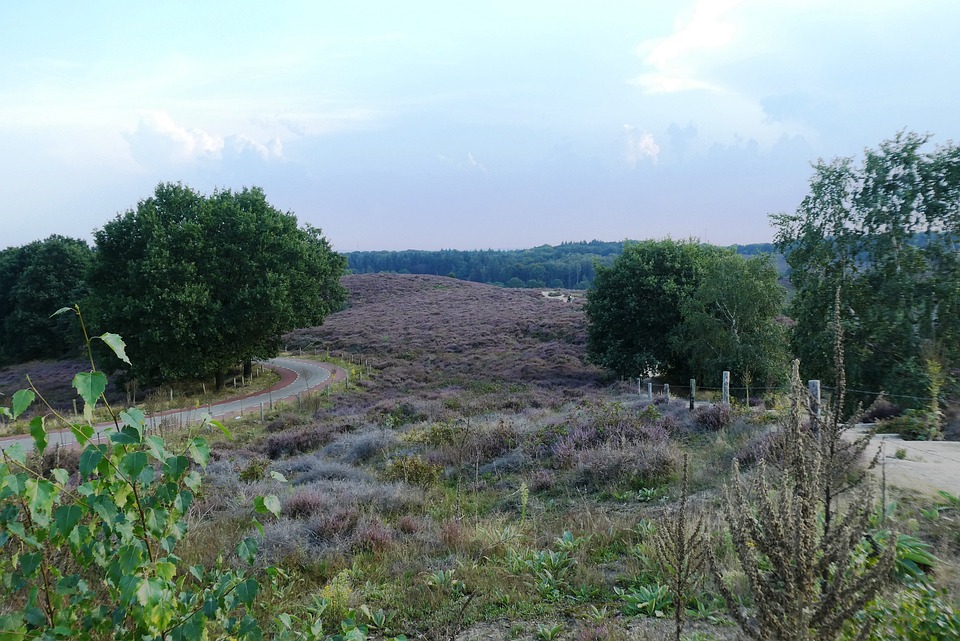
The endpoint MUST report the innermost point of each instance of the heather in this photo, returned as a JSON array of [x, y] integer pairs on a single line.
[[476, 476]]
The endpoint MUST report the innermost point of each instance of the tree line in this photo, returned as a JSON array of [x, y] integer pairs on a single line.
[[571, 265], [878, 241], [197, 284]]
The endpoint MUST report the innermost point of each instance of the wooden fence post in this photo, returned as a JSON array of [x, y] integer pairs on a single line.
[[650, 392], [666, 392], [725, 389], [814, 388], [693, 392]]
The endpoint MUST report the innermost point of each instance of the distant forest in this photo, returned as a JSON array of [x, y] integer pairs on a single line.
[[568, 265]]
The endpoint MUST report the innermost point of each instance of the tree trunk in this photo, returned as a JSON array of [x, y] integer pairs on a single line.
[[220, 378], [247, 368]]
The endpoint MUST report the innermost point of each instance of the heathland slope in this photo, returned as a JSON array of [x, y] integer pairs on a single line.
[[431, 327]]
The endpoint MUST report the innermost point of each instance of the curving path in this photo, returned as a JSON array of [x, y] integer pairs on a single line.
[[296, 377]]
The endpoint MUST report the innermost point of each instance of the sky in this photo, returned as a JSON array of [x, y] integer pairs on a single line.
[[462, 125]]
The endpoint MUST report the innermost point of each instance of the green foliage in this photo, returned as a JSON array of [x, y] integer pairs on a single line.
[[884, 232], [94, 557], [912, 425], [680, 307], [729, 323], [413, 470], [634, 307], [647, 600], [35, 279], [918, 613], [199, 284]]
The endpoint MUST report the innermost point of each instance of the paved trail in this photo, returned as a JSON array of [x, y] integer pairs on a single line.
[[296, 377]]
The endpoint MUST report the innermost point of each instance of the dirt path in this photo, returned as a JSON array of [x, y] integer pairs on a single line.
[[925, 466]]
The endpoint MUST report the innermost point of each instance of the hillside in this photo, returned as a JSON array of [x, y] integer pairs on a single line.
[[417, 329]]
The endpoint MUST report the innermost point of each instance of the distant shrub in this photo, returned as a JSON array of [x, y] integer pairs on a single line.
[[285, 421], [371, 535], [880, 410], [310, 469], [713, 417], [542, 480], [300, 440], [304, 503], [360, 447], [412, 470], [913, 425], [640, 465], [337, 522], [254, 470]]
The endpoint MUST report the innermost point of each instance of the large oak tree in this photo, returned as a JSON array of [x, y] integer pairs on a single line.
[[199, 284]]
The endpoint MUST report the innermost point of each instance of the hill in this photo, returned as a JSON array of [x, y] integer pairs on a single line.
[[419, 330]]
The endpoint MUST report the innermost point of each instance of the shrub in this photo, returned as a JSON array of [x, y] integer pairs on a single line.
[[299, 441], [285, 421], [880, 410], [912, 425], [713, 417], [413, 470]]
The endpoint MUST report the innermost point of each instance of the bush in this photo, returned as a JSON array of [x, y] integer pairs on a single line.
[[412, 470], [713, 417], [912, 425], [920, 612], [880, 410]]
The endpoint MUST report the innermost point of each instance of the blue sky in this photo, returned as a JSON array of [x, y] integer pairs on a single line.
[[469, 125]]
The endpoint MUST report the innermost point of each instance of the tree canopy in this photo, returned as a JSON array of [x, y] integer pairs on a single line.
[[200, 284], [885, 233], [683, 308], [730, 322], [633, 309], [36, 280]]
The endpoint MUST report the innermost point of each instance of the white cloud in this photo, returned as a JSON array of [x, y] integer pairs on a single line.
[[640, 146], [674, 58], [159, 141]]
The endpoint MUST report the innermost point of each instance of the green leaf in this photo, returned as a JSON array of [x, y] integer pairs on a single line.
[[90, 385], [21, 401], [247, 592], [40, 493], [278, 476], [83, 433], [223, 428], [39, 433], [200, 451], [175, 466], [17, 453], [89, 459], [268, 503], [62, 310], [133, 417], [133, 463], [66, 518], [127, 436], [116, 343], [61, 476], [247, 550]]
